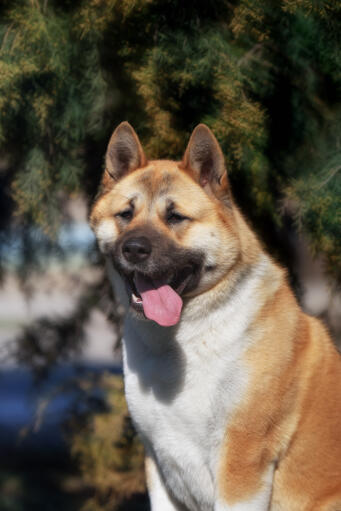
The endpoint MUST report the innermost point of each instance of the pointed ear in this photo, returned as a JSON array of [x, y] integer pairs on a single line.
[[124, 152], [204, 160]]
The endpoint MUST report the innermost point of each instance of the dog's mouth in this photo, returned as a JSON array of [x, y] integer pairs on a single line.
[[159, 299]]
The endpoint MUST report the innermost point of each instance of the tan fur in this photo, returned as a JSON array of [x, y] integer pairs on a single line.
[[290, 415], [292, 412]]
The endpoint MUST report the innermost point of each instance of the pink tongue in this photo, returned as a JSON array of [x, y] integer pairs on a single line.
[[160, 302]]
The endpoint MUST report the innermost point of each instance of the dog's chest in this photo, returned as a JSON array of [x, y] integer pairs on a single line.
[[181, 401]]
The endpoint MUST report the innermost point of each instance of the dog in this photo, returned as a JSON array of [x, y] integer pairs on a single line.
[[233, 389]]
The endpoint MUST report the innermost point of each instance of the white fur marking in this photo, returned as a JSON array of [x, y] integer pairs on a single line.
[[106, 232]]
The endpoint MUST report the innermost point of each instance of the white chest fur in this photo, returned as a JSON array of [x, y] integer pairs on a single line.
[[180, 410], [182, 385]]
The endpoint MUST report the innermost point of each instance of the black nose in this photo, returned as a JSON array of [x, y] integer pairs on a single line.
[[136, 250]]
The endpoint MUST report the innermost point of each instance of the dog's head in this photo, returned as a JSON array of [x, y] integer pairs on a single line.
[[167, 226]]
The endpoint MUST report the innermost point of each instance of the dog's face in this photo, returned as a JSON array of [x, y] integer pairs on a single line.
[[167, 226]]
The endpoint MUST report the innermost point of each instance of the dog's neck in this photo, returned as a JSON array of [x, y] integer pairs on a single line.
[[230, 305], [231, 311]]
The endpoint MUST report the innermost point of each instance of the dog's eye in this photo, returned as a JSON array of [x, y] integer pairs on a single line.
[[175, 218], [127, 214]]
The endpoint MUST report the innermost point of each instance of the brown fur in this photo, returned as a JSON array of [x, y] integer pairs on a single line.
[[292, 414]]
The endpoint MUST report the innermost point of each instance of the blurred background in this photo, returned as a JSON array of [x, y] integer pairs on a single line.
[[265, 76]]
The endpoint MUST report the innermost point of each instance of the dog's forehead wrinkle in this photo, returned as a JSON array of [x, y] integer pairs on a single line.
[[154, 182], [165, 183], [130, 197], [145, 179]]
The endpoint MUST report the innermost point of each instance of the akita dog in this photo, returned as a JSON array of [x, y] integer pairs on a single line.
[[235, 392]]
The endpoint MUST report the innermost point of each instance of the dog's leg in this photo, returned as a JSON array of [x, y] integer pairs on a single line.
[[257, 501], [160, 500]]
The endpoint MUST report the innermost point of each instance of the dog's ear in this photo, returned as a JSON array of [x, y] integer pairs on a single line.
[[204, 160], [124, 152]]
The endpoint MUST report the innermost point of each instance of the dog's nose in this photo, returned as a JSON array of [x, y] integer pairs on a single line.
[[136, 250]]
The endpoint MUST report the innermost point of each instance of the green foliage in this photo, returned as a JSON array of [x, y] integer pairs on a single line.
[[265, 76], [111, 458], [51, 98], [316, 201]]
